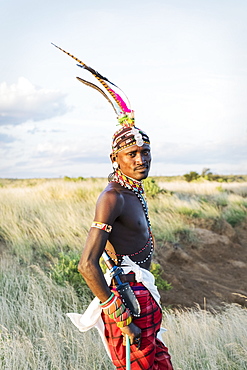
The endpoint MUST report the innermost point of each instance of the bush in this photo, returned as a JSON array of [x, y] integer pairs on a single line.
[[191, 176], [151, 187], [159, 281], [65, 272], [74, 179]]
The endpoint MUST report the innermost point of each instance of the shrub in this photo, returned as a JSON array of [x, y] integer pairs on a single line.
[[65, 271], [74, 179], [159, 281], [191, 176], [151, 187]]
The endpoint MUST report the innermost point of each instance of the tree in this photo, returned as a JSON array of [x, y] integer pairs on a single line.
[[191, 176]]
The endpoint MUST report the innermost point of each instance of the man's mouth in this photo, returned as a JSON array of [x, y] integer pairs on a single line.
[[141, 168]]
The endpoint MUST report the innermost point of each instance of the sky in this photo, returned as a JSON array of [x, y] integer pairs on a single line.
[[182, 64]]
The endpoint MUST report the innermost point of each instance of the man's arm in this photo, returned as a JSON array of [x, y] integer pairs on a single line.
[[109, 206]]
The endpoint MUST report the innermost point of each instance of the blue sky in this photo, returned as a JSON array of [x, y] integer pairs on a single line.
[[182, 64]]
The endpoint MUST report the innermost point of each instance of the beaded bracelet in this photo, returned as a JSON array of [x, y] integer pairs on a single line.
[[123, 316], [118, 312], [112, 301], [113, 307], [108, 300], [122, 324]]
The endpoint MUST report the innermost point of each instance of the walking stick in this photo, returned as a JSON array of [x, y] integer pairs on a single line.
[[127, 353]]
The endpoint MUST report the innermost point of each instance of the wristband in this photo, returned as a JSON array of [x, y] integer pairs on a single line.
[[113, 307], [122, 324], [118, 312], [108, 300]]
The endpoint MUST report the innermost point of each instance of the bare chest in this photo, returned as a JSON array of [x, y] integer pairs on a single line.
[[130, 230], [133, 216]]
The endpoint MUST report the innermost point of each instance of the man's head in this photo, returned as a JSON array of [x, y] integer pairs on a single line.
[[131, 151]]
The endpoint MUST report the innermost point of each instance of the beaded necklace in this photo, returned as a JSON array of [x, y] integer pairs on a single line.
[[137, 188], [133, 254]]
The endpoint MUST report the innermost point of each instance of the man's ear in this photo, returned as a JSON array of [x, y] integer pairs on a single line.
[[113, 157]]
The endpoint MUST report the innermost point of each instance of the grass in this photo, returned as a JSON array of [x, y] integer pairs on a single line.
[[44, 221], [36, 334], [51, 217], [202, 340], [47, 218]]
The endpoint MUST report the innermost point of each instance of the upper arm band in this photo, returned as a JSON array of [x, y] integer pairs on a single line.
[[101, 226]]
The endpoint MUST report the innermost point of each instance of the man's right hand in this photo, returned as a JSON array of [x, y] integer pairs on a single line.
[[134, 334]]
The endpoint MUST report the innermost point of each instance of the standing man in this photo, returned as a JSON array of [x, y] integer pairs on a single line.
[[121, 227]]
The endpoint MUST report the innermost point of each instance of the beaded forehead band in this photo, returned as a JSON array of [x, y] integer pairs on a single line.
[[128, 135]]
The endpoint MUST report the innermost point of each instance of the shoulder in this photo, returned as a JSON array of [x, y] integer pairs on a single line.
[[111, 196]]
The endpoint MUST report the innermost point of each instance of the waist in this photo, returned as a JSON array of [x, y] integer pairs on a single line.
[[125, 278]]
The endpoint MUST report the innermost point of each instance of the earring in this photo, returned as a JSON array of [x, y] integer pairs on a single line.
[[111, 175], [115, 166]]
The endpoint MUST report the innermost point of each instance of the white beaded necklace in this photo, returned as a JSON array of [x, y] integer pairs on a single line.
[[137, 188]]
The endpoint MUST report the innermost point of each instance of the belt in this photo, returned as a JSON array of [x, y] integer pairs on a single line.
[[125, 278]]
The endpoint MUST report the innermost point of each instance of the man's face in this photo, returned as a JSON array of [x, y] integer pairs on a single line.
[[135, 161]]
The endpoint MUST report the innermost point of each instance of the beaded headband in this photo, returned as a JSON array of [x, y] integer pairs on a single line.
[[128, 135]]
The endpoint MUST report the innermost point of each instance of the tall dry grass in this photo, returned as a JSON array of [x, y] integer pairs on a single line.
[[40, 219], [47, 218], [35, 333], [202, 340], [204, 187], [54, 216]]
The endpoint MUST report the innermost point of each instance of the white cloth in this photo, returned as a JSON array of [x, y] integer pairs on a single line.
[[92, 316]]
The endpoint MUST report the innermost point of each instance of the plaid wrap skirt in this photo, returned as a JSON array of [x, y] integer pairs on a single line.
[[153, 354]]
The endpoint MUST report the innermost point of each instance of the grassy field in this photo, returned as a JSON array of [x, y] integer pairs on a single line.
[[43, 226]]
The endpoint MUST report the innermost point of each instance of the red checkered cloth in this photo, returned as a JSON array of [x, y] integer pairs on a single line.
[[153, 355]]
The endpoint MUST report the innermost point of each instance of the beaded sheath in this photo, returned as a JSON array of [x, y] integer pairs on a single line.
[[137, 188]]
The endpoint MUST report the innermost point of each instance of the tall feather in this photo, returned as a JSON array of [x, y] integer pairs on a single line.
[[98, 89], [120, 103]]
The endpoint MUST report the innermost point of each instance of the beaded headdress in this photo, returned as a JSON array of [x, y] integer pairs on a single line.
[[128, 134]]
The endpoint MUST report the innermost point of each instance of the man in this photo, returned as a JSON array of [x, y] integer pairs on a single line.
[[119, 210], [121, 227]]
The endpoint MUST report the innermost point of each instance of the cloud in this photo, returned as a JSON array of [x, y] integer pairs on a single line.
[[73, 152], [6, 138], [23, 101], [36, 130]]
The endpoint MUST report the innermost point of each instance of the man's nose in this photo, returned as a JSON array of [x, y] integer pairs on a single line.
[[140, 159]]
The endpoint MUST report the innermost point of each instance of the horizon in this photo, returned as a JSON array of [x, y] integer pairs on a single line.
[[78, 178]]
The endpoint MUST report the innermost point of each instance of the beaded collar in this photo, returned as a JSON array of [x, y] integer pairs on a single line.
[[137, 188], [128, 183]]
